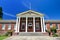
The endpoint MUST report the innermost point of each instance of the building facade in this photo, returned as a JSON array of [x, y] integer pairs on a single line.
[[29, 21]]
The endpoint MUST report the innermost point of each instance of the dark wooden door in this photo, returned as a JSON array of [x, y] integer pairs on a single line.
[[30, 25], [37, 24], [22, 24]]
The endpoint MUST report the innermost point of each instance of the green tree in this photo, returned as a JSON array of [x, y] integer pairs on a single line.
[[1, 13]]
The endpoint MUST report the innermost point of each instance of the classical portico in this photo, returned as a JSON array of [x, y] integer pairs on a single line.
[[30, 21]]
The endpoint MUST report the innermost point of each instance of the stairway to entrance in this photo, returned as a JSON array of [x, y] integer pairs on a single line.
[[33, 34], [32, 38]]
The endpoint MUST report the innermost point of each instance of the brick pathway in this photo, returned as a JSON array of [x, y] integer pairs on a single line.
[[32, 38]]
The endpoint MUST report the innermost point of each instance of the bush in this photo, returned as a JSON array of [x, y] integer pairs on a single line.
[[55, 35], [0, 35], [53, 30], [9, 33], [48, 31]]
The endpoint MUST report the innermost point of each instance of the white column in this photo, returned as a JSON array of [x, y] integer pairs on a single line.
[[26, 23], [34, 23], [16, 25], [41, 24]]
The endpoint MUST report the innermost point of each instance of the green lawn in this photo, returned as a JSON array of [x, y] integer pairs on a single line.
[[3, 37]]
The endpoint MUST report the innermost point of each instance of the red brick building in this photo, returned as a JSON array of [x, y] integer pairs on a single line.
[[29, 21]]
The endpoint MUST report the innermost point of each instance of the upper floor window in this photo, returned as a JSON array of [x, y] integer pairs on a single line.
[[3, 26]]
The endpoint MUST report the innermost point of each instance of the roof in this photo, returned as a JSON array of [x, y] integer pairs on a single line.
[[52, 21], [14, 21], [7, 21], [30, 11]]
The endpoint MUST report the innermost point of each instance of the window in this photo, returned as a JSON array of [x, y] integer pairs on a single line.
[[9, 26], [30, 24], [14, 26], [3, 26], [58, 26], [23, 26], [51, 25], [37, 26]]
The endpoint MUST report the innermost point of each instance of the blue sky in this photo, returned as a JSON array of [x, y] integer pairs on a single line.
[[51, 8]]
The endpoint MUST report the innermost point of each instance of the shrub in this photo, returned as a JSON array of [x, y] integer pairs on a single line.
[[48, 31], [9, 33], [55, 35], [53, 30], [0, 35]]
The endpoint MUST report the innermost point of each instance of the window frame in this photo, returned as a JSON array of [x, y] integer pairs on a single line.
[[58, 27], [9, 26], [3, 26], [51, 25]]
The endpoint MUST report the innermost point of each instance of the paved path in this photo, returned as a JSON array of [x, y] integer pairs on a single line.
[[32, 38]]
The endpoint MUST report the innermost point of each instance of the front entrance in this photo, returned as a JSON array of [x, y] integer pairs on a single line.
[[30, 25]]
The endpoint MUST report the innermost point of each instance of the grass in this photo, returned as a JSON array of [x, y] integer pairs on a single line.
[[3, 37]]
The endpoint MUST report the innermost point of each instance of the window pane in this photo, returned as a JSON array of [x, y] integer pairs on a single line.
[[57, 26], [51, 25], [9, 26], [14, 26], [3, 26]]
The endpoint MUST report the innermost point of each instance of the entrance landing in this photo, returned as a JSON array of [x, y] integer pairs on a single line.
[[33, 34], [32, 38]]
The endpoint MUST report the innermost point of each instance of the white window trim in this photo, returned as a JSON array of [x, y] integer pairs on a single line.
[[51, 26], [9, 26], [14, 26], [3, 28], [29, 24], [58, 27]]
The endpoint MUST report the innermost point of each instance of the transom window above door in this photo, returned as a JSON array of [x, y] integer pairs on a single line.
[[30, 24]]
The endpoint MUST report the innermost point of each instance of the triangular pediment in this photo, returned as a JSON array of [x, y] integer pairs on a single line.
[[30, 13]]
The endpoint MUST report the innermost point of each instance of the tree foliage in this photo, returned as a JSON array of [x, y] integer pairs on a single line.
[[1, 13]]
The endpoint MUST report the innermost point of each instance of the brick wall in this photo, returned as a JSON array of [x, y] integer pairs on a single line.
[[12, 26], [0, 27], [48, 26], [6, 28], [54, 25]]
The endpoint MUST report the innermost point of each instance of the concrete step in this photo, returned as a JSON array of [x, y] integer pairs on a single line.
[[33, 34], [32, 38]]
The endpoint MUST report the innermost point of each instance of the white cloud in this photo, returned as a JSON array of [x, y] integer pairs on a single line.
[[8, 14], [27, 4]]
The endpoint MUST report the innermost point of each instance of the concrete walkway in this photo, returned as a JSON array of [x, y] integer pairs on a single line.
[[32, 38]]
